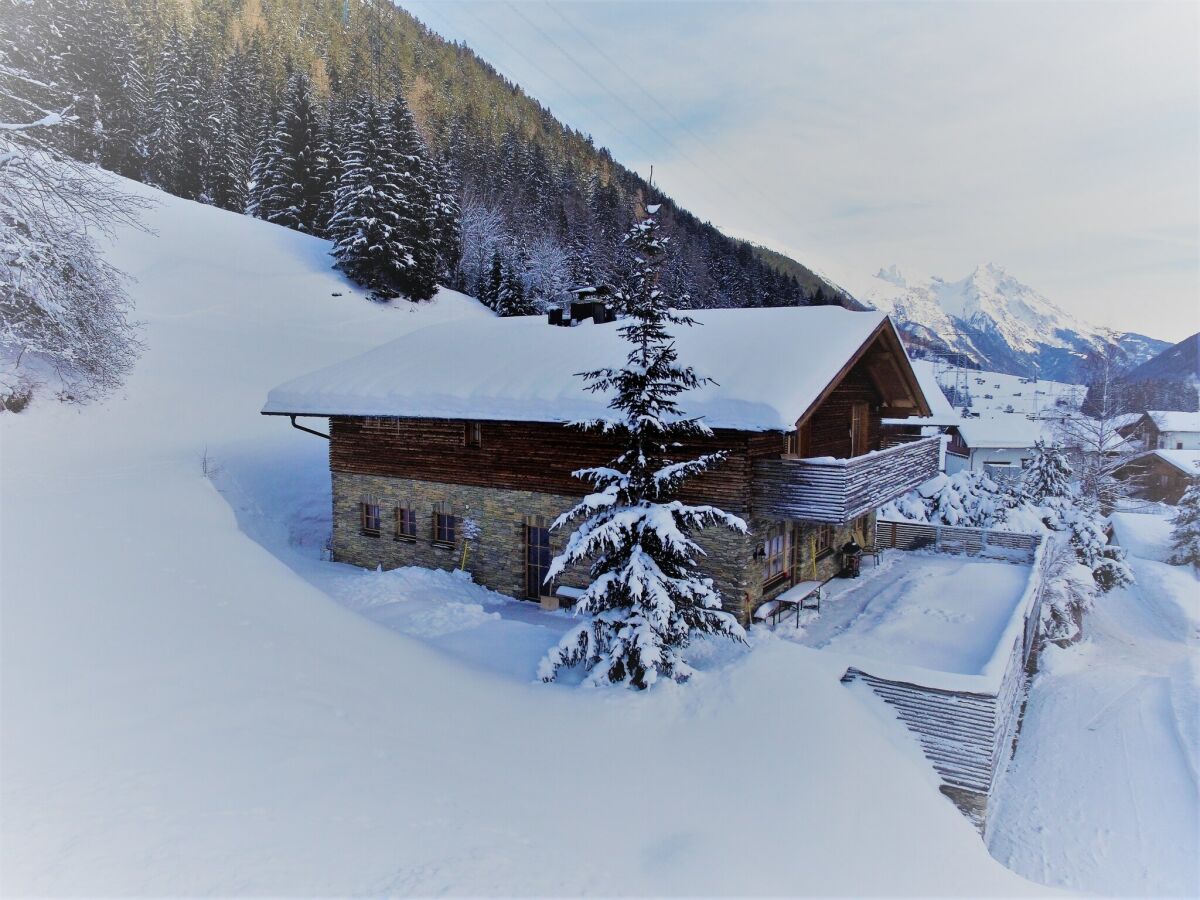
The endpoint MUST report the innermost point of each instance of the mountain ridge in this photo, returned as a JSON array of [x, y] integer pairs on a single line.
[[996, 321]]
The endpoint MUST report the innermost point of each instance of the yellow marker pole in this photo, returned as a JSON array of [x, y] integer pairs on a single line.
[[812, 557]]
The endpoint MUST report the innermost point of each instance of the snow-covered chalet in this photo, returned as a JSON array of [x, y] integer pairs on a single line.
[[455, 442]]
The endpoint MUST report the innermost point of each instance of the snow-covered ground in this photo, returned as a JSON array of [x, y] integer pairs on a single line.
[[193, 704], [927, 610], [1102, 795], [996, 394]]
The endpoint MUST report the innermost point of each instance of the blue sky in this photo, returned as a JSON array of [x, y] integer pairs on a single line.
[[1058, 139]]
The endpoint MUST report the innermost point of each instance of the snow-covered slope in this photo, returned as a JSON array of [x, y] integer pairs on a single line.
[[996, 320], [186, 710]]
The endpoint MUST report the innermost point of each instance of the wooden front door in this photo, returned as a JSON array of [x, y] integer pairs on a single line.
[[537, 560], [860, 428]]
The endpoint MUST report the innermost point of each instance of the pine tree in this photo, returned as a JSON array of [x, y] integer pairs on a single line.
[[646, 596], [447, 221], [418, 213], [163, 140], [371, 224], [1185, 536], [1048, 476], [489, 291], [288, 183], [510, 297], [226, 168]]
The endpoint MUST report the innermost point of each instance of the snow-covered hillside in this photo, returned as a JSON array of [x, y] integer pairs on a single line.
[[995, 319], [188, 707], [997, 393]]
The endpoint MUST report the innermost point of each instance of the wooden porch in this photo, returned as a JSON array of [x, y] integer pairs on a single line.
[[838, 490]]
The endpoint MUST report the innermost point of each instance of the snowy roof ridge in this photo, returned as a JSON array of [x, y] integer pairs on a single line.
[[768, 366], [1174, 420], [1186, 461]]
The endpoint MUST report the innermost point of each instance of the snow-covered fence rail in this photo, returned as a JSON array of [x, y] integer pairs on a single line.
[[825, 489], [967, 726], [971, 541]]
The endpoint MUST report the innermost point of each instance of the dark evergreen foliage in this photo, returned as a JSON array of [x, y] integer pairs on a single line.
[[232, 102]]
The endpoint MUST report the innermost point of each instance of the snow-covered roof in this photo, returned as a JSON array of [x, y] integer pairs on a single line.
[[938, 401], [1186, 461], [1005, 431], [769, 366], [1171, 420]]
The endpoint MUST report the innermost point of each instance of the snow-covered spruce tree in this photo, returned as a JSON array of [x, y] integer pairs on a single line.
[[287, 175], [647, 598], [1048, 477], [370, 242], [418, 179], [1185, 536]]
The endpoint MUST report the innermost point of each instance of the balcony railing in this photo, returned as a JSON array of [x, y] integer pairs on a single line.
[[838, 490]]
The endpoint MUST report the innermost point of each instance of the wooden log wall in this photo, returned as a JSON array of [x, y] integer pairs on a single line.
[[530, 456], [829, 426]]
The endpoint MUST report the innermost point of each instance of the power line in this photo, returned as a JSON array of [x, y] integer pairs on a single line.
[[724, 161]]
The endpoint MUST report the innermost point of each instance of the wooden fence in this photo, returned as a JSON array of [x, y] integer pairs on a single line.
[[947, 539], [968, 736]]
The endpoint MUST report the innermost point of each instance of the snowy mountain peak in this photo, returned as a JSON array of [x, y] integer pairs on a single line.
[[991, 316], [892, 275]]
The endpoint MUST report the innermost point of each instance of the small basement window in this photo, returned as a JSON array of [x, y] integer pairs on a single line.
[[444, 524], [473, 435], [369, 519], [406, 523]]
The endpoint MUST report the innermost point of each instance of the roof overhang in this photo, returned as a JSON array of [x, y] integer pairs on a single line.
[[890, 371]]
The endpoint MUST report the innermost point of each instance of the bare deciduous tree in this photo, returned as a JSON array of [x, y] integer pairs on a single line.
[[63, 309]]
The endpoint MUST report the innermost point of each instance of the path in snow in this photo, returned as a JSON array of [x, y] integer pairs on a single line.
[[1102, 794]]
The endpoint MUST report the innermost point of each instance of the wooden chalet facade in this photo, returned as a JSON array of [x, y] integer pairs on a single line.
[[406, 484], [1162, 475]]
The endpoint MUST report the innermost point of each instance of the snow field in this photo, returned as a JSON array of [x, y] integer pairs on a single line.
[[187, 711], [1102, 795]]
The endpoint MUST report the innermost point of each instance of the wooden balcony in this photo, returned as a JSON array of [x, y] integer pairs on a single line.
[[838, 490]]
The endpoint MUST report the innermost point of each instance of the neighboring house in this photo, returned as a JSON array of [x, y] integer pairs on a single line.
[[1162, 475], [1169, 430], [471, 420], [998, 445]]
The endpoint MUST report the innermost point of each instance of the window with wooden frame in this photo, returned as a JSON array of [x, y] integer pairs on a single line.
[[445, 524], [368, 511], [823, 540], [406, 523], [473, 435], [777, 553], [537, 557]]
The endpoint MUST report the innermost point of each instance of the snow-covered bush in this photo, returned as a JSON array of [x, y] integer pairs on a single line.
[[1048, 475], [965, 499], [646, 596], [1070, 590], [1090, 542], [1185, 535]]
